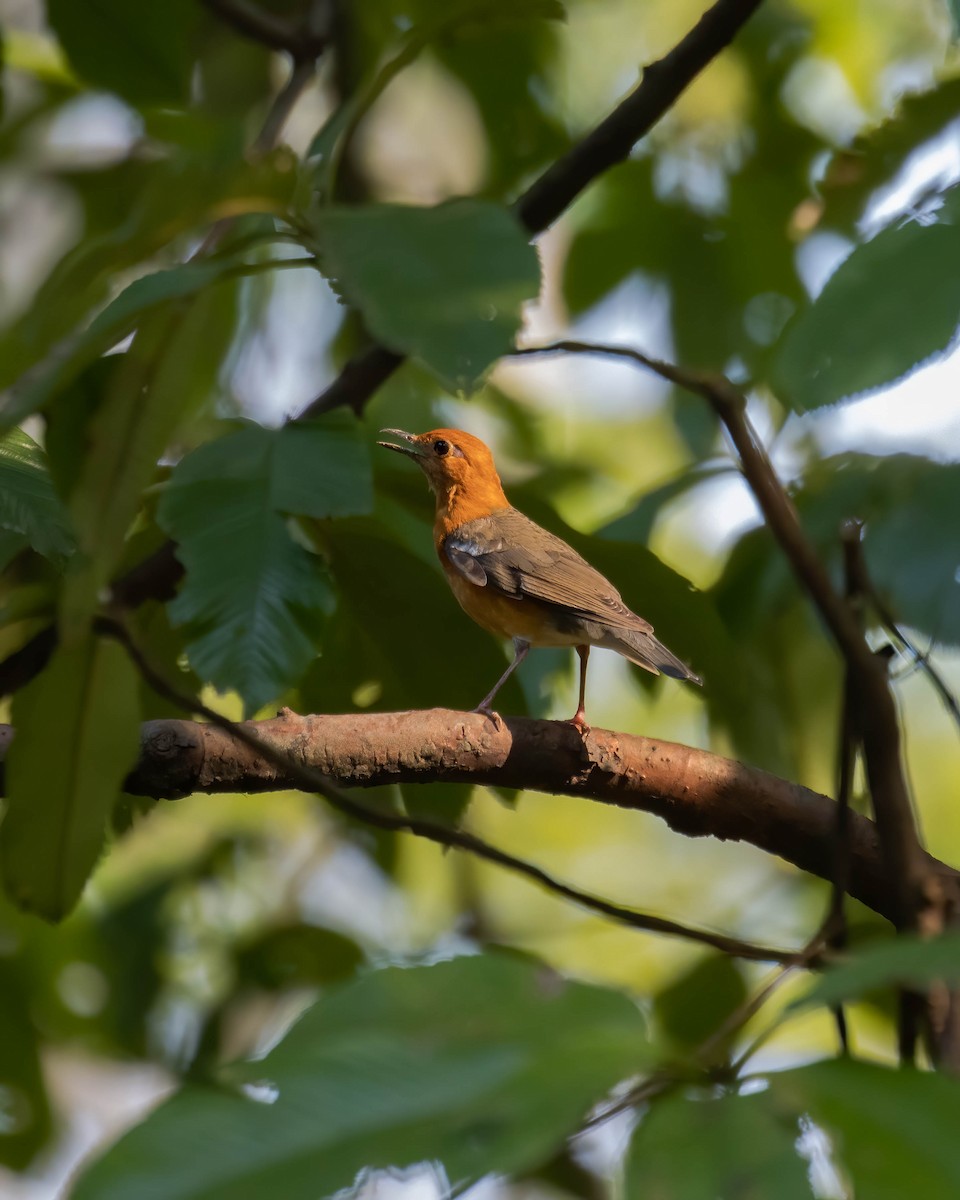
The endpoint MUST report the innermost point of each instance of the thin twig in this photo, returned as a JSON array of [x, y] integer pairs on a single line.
[[848, 744], [301, 42], [703, 1056], [921, 659], [312, 780], [283, 105]]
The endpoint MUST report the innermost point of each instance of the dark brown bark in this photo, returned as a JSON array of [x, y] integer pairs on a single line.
[[697, 793]]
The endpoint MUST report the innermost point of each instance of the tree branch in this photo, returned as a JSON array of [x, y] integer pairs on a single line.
[[918, 896], [612, 140], [697, 793], [303, 43]]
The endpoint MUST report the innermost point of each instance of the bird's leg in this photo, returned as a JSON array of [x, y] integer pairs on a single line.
[[520, 648], [579, 718]]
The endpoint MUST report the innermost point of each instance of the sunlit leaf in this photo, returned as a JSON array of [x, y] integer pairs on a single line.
[[445, 284], [887, 308], [455, 1063], [77, 735]]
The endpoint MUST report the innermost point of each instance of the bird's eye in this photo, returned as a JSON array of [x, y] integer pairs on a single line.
[[441, 447]]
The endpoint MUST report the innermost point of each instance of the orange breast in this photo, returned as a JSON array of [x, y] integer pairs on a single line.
[[502, 615]]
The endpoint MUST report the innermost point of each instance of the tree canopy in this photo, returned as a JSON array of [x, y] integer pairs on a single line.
[[691, 271]]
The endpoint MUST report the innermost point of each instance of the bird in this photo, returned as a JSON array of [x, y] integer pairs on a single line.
[[517, 580]]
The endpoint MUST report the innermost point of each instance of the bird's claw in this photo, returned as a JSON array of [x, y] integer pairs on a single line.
[[580, 723], [486, 711]]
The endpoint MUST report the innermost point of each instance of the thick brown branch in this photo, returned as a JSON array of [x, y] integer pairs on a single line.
[[695, 792]]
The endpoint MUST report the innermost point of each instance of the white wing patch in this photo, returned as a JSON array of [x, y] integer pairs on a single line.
[[463, 554]]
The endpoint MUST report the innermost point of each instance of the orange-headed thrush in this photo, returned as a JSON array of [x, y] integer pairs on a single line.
[[515, 579]]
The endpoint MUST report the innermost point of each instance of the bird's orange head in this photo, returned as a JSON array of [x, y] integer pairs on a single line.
[[460, 470]]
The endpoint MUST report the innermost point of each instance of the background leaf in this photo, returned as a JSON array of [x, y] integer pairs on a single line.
[[734, 1146], [453, 1063], [153, 388], [27, 1120], [911, 509], [78, 731], [902, 962], [141, 52], [891, 1131], [886, 309], [28, 503]]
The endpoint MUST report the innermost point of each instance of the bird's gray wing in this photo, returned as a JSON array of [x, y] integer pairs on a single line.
[[510, 553]]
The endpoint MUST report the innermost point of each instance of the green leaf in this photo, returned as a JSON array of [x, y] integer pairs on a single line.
[[25, 1124], [456, 1062], [253, 597], [887, 309], [445, 284], [893, 1132], [876, 157], [142, 52], [297, 955], [77, 735], [732, 277], [28, 503], [163, 376], [694, 1006], [637, 525], [731, 1148], [902, 962], [142, 298], [161, 202], [437, 23]]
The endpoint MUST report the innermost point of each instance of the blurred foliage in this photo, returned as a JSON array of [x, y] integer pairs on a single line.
[[172, 290]]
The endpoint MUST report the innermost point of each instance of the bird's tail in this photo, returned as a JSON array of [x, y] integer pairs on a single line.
[[644, 650]]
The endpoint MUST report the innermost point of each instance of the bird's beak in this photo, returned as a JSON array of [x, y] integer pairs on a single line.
[[413, 450]]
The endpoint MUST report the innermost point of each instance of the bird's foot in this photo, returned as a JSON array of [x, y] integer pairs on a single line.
[[580, 723], [494, 716]]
